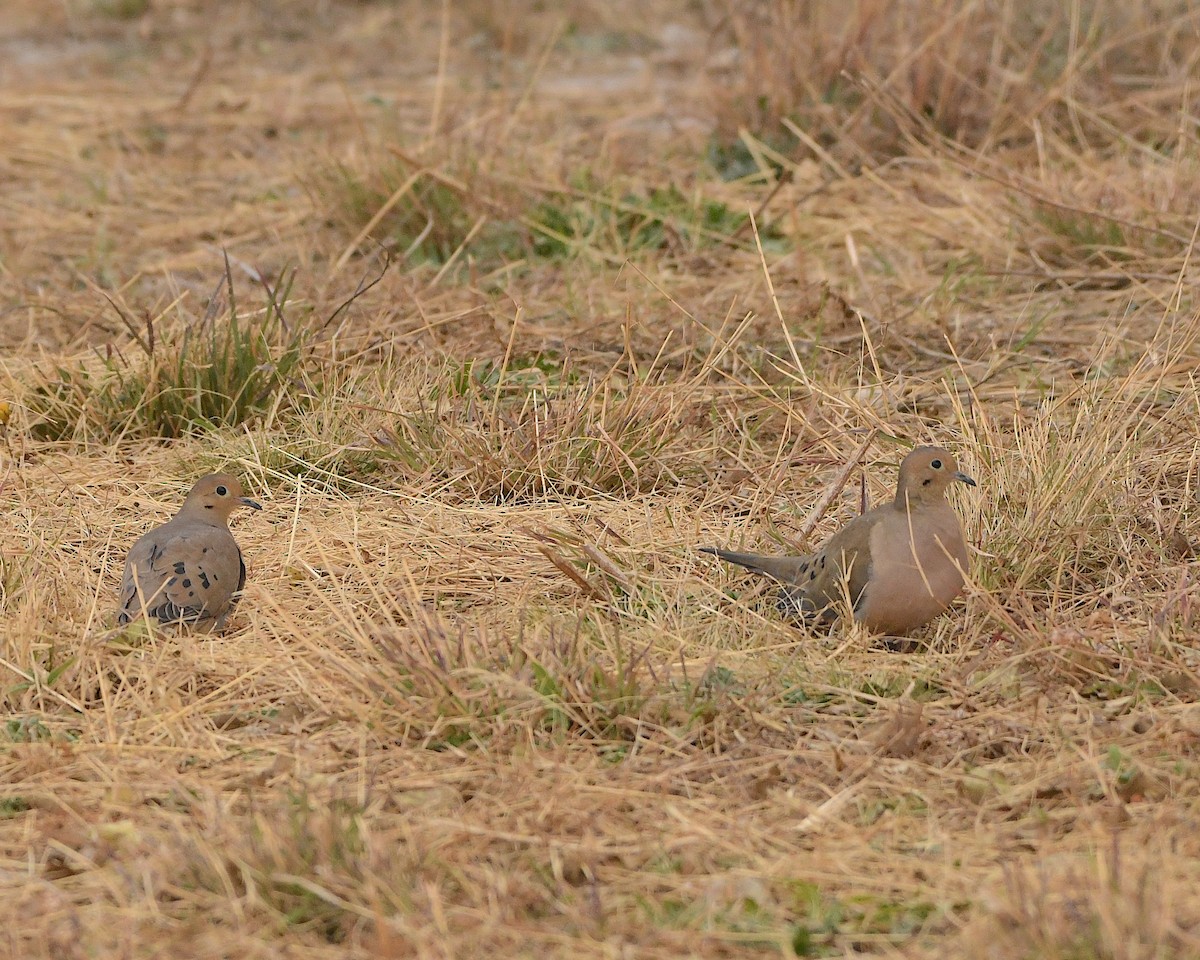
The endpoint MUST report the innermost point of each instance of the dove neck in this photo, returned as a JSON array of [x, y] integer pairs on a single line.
[[908, 500], [210, 518]]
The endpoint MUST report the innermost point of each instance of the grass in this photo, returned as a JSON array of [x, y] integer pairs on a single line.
[[449, 210], [502, 440], [187, 375], [636, 281]]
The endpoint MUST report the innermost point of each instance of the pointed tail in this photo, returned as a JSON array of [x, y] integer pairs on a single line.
[[783, 569]]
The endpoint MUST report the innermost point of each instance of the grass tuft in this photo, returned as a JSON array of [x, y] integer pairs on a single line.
[[516, 432], [183, 376]]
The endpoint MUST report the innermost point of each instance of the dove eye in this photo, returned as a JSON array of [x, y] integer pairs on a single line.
[[222, 492], [936, 464]]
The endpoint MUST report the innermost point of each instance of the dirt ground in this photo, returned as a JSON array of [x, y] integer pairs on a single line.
[[502, 311]]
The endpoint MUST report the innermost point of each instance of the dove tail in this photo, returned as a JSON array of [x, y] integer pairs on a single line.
[[751, 561], [783, 569]]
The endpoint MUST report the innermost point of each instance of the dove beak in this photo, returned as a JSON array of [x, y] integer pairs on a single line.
[[964, 478], [247, 502]]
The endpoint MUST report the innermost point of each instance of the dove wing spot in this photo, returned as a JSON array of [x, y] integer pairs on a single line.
[[180, 572]]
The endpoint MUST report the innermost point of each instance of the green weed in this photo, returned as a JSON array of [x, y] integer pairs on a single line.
[[589, 221], [13, 806], [184, 376]]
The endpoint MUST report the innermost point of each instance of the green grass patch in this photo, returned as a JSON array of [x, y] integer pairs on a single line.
[[433, 214], [590, 220], [181, 376]]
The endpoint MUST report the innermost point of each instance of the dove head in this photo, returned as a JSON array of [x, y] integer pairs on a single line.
[[925, 474], [215, 497]]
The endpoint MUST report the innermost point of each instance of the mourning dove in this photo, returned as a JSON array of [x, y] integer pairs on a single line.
[[900, 564], [189, 570]]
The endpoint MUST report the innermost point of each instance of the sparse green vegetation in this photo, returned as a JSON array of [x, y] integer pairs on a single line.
[[180, 376], [434, 216], [585, 222]]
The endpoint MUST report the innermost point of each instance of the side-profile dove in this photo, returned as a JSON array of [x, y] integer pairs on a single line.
[[899, 565], [189, 570]]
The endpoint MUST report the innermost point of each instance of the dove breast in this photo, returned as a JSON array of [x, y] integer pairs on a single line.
[[916, 569]]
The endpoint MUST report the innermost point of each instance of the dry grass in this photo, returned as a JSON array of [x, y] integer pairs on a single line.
[[483, 695]]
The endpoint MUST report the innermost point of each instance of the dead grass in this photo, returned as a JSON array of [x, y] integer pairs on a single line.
[[654, 279], [984, 75]]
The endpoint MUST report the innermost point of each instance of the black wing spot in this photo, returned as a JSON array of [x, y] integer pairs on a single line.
[[813, 575], [187, 582], [822, 562], [180, 567]]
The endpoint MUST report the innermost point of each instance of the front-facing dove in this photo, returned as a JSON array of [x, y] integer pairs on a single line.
[[189, 570], [899, 565]]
